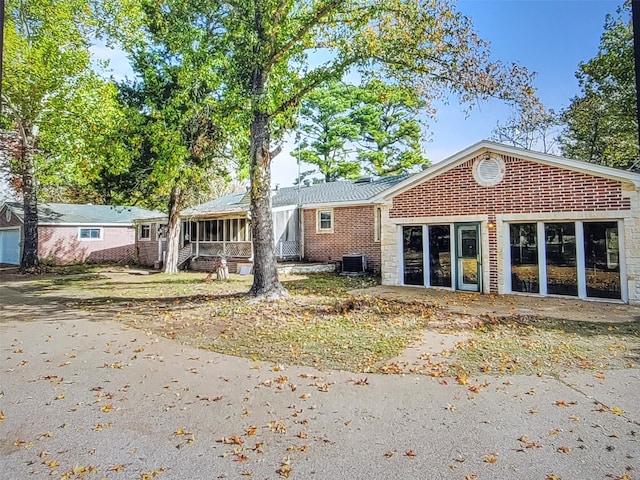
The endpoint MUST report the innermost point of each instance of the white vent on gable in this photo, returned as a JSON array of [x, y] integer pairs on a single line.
[[489, 171]]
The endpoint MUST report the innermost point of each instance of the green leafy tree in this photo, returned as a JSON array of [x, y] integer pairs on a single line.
[[173, 96], [389, 131], [373, 128], [51, 94], [328, 129], [601, 123], [267, 73]]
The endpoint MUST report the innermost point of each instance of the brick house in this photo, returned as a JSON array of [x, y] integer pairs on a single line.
[[69, 234], [337, 219], [498, 219], [491, 218]]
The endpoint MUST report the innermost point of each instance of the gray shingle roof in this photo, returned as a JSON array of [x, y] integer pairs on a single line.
[[335, 192], [227, 203], [66, 213], [322, 193]]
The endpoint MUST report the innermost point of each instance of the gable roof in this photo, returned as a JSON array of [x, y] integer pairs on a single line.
[[72, 214], [347, 192], [486, 146]]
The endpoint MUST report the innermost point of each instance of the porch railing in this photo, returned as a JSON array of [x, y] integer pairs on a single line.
[[224, 249], [284, 249]]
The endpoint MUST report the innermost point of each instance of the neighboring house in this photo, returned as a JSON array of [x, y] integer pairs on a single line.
[[491, 218], [69, 233]]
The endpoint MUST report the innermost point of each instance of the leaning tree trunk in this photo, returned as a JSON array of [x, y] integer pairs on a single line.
[[266, 284], [173, 230], [30, 204]]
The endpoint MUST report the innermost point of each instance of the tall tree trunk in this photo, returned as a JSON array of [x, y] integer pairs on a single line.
[[266, 284], [173, 229], [30, 204]]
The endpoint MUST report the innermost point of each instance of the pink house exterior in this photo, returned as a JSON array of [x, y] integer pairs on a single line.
[[70, 234]]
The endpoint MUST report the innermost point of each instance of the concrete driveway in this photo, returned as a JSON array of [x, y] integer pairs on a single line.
[[87, 397]]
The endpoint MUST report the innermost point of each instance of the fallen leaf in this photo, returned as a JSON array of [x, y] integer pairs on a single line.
[[410, 453], [491, 458], [251, 430], [564, 449], [389, 454]]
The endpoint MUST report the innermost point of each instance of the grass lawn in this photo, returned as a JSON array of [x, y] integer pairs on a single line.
[[321, 325]]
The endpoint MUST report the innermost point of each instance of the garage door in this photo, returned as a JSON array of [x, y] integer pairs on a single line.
[[10, 246]]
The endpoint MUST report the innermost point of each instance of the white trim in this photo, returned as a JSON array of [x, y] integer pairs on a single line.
[[622, 262], [319, 229], [542, 259], [139, 232], [580, 261], [426, 262]]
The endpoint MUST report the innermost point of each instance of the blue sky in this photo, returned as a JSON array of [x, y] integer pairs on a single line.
[[550, 37]]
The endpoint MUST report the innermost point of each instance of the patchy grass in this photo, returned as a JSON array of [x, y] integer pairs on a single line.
[[548, 347], [321, 325]]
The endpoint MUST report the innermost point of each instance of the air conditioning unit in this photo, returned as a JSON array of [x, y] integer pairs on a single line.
[[354, 263]]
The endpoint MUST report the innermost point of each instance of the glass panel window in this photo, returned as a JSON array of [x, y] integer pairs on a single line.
[[468, 254], [440, 255], [90, 233], [325, 220], [145, 232], [413, 255], [242, 235], [215, 230], [377, 224], [560, 246], [601, 252], [524, 257]]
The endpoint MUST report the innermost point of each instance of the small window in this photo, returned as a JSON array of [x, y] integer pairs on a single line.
[[325, 221], [90, 234], [377, 224], [145, 232]]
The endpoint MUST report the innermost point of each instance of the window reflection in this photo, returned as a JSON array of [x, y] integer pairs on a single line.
[[413, 255], [601, 251], [524, 258], [560, 246], [440, 255]]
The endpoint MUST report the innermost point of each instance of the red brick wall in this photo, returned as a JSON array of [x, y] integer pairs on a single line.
[[527, 187], [353, 231], [60, 244]]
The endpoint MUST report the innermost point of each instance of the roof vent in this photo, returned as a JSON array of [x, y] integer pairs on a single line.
[[489, 171], [364, 180]]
